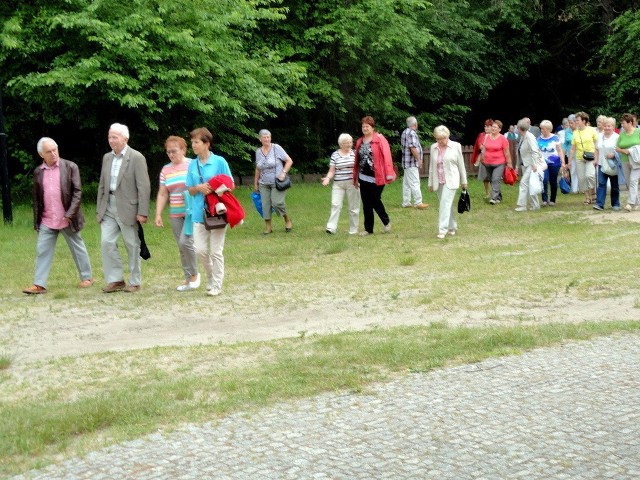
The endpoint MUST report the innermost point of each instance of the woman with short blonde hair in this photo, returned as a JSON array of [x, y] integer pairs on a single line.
[[608, 165], [341, 172], [447, 173]]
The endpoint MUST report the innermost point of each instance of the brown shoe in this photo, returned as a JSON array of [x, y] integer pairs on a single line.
[[114, 287], [422, 206], [34, 290], [86, 283], [132, 288]]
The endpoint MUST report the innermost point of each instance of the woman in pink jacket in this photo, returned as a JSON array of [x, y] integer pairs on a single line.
[[372, 170]]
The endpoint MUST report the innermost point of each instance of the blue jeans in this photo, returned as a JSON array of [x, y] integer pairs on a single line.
[[602, 189], [550, 179]]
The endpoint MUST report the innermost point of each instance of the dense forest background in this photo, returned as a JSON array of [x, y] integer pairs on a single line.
[[306, 70]]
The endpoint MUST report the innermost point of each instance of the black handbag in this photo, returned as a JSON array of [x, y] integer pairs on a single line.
[[464, 202], [589, 156], [282, 185]]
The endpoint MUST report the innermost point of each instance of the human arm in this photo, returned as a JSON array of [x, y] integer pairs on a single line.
[[285, 169], [161, 201], [76, 191], [330, 175], [143, 185], [507, 155], [389, 172], [461, 167], [433, 176], [256, 178], [415, 153], [560, 152]]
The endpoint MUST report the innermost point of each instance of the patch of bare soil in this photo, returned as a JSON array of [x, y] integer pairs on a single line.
[[41, 332]]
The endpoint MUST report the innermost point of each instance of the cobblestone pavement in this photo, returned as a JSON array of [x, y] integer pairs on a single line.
[[569, 412]]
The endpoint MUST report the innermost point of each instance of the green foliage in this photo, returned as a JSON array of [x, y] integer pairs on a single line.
[[620, 56], [165, 62]]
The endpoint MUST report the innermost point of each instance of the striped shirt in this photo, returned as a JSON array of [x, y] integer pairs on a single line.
[[409, 139], [343, 165], [174, 178]]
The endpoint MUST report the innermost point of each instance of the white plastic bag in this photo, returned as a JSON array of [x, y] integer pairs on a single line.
[[535, 182]]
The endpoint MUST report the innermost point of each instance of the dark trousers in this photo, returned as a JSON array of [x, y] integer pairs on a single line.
[[550, 183], [371, 195], [602, 189]]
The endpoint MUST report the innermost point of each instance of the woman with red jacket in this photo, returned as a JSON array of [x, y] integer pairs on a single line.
[[372, 170]]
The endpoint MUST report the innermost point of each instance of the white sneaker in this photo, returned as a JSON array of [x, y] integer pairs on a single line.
[[627, 208], [387, 228], [185, 287], [441, 235], [520, 209], [195, 284], [214, 292], [451, 233]]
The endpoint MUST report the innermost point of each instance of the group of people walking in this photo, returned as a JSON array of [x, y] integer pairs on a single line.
[[591, 157], [369, 167], [123, 207], [592, 160]]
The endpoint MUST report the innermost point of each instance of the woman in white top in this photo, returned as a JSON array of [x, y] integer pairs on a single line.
[[341, 172], [607, 165], [446, 174]]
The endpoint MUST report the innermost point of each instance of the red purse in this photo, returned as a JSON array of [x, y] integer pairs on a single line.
[[510, 176]]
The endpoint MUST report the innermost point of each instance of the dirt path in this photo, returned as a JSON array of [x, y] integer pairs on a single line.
[[39, 332]]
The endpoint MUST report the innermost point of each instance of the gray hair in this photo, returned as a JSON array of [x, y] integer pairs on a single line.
[[571, 118], [524, 124], [546, 124], [441, 131], [42, 141], [601, 118], [264, 132], [121, 129], [411, 121], [343, 138]]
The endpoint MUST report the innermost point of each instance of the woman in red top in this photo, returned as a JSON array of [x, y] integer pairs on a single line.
[[495, 155], [372, 170], [475, 156]]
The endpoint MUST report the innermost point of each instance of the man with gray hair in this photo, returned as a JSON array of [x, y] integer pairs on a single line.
[[411, 164], [57, 194], [123, 202]]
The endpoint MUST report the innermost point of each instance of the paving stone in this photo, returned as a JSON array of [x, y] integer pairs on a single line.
[[567, 412]]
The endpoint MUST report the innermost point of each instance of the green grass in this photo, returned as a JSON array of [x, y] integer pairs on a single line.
[[126, 406], [5, 361], [499, 267]]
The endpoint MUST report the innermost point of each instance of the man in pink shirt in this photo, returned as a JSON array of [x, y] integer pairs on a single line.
[[56, 209]]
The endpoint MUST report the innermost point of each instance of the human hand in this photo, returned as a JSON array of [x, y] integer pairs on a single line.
[[159, 221], [141, 218], [325, 181]]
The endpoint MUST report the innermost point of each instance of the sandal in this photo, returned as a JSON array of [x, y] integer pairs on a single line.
[[587, 202]]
